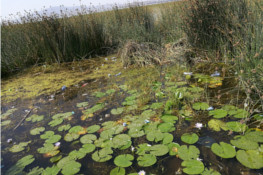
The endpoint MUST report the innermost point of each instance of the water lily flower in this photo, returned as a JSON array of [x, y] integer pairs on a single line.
[[132, 148], [124, 124], [142, 172], [198, 125], [102, 65], [57, 144], [9, 140], [188, 73], [210, 108], [106, 59], [149, 145], [63, 88]]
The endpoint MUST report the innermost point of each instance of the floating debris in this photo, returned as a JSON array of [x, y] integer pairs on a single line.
[[63, 88], [198, 125], [106, 59], [57, 144], [188, 73], [215, 74], [84, 94], [107, 115], [132, 148], [210, 108], [85, 84], [9, 140], [146, 121]]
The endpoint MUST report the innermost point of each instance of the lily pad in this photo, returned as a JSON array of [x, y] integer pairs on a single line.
[[118, 171], [167, 138], [53, 139], [173, 149], [76, 129], [55, 159], [251, 158], [124, 160], [37, 131], [218, 113], [146, 160], [143, 149], [136, 132], [48, 147], [72, 167], [35, 171], [7, 113], [55, 122], [35, 118], [88, 138], [108, 125], [88, 148], [223, 150], [169, 118], [147, 114], [189, 138], [166, 127], [239, 113], [217, 125], [94, 109], [190, 153], [200, 106], [64, 127], [193, 167], [236, 126], [210, 172], [47, 134], [77, 154], [121, 140], [82, 104], [110, 91], [156, 105], [20, 165], [154, 136], [99, 94], [6, 122], [159, 150], [102, 155], [71, 136], [19, 147], [107, 134], [244, 143], [54, 170], [117, 111], [256, 136], [62, 115], [93, 129]]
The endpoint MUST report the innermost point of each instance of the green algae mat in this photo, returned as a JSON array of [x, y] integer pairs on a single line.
[[111, 120]]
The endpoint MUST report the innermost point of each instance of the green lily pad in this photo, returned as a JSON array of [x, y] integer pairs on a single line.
[[223, 150], [99, 94], [54, 170], [37, 131], [55, 159], [20, 165], [210, 172], [154, 136], [238, 113], [173, 149], [169, 118], [71, 136], [64, 127], [93, 129], [156, 105], [159, 150], [190, 153], [256, 136], [121, 140], [102, 155], [146, 160], [77, 154], [143, 149], [193, 167], [7, 113], [218, 113], [117, 171], [189, 138], [76, 129], [136, 132], [151, 127], [88, 138], [107, 134], [236, 126], [64, 162], [72, 167], [251, 158], [124, 160], [82, 104], [35, 171], [217, 125], [62, 115], [166, 127], [147, 114], [94, 109], [88, 148], [108, 125], [6, 122], [110, 91], [19, 147], [47, 134], [55, 122], [48, 147], [167, 138], [229, 108], [53, 139], [35, 118], [117, 111], [200, 106], [244, 143]]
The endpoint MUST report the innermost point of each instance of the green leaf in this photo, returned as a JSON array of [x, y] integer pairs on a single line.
[[94, 109], [186, 153], [218, 113], [200, 106], [117, 171], [88, 138], [6, 122], [239, 113], [71, 136], [121, 140], [159, 150], [35, 118], [19, 147], [35, 171], [236, 126], [64, 127], [7, 113], [53, 139], [166, 127], [55, 159], [47, 134], [135, 132], [55, 122], [244, 143], [143, 149], [154, 136], [167, 138], [54, 170], [223, 150], [88, 148], [110, 91], [189, 138], [256, 136], [173, 149], [76, 129], [193, 167], [107, 134], [72, 167], [93, 129], [210, 172], [62, 115], [82, 104], [169, 118], [37, 131], [156, 105], [147, 114], [48, 147], [77, 154], [217, 125], [63, 162], [108, 125], [251, 158], [99, 94], [124, 160], [117, 111], [102, 155], [146, 160], [20, 165]]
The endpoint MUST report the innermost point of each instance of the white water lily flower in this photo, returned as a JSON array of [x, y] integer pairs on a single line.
[[210, 108], [57, 144], [142, 172], [188, 73], [132, 148], [198, 125], [199, 159], [149, 145]]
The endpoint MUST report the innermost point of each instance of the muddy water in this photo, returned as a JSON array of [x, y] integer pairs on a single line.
[[65, 101]]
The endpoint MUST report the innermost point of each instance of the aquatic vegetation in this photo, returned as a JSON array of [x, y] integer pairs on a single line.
[[200, 106], [99, 94], [21, 164], [217, 125], [189, 138], [146, 160], [82, 104], [173, 149], [159, 150], [93, 129], [251, 158], [6, 122], [19, 147], [124, 160], [236, 126], [117, 111], [62, 116], [244, 143], [8, 113], [64, 127], [210, 172], [117, 171], [37, 131], [188, 153], [88, 138], [169, 118], [193, 167], [223, 150], [102, 155], [35, 118], [55, 122], [51, 170], [94, 109], [218, 113]]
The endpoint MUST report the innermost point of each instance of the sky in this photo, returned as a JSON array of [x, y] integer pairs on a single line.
[[14, 6]]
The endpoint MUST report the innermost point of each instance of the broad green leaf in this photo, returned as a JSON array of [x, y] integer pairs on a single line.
[[76, 129], [53, 139], [117, 171], [143, 149], [54, 170], [124, 160], [93, 129], [88, 148], [71, 136], [147, 114], [156, 105], [94, 109], [35, 118], [19, 147], [107, 134], [223, 150], [189, 138], [251, 158], [121, 140], [135, 132], [64, 162], [64, 127], [146, 160], [239, 113], [99, 94], [210, 172], [47, 134], [7, 113], [6, 122], [256, 136], [217, 125], [82, 104], [110, 91], [218, 113], [200, 106], [236, 126], [244, 143], [35, 171], [108, 125], [102, 155], [27, 160], [72, 167], [62, 115], [55, 159], [169, 118], [173, 149], [55, 122], [190, 153], [166, 127], [167, 138], [88, 138], [37, 131], [77, 154], [117, 111], [159, 150], [154, 136], [48, 147], [193, 167]]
